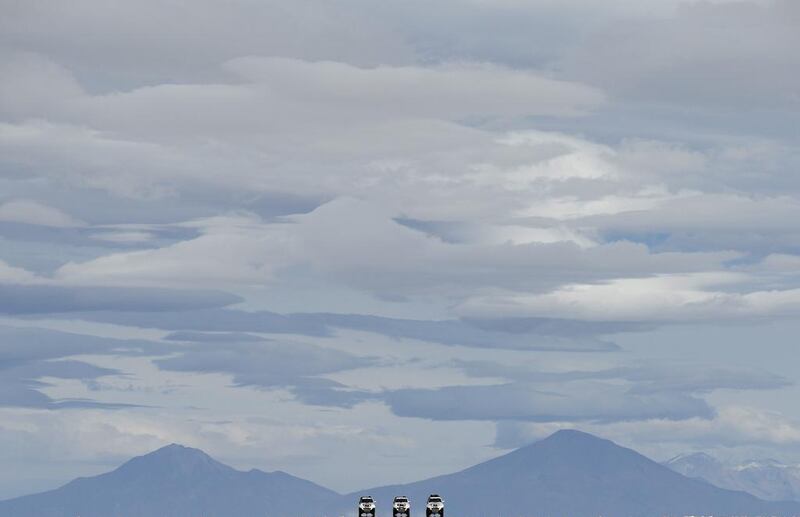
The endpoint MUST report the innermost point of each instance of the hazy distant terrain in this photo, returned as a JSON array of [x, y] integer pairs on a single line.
[[570, 473], [768, 479]]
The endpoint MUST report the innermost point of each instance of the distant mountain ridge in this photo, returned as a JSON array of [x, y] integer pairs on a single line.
[[575, 474], [174, 481], [767, 479], [570, 474]]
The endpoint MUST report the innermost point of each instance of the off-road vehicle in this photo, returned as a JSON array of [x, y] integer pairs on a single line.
[[366, 506], [401, 507], [435, 506]]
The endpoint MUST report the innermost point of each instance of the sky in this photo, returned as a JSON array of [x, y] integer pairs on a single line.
[[394, 239]]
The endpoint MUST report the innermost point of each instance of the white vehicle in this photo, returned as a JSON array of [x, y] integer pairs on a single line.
[[435, 506], [401, 507], [366, 506]]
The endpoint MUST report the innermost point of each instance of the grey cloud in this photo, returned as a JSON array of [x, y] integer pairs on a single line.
[[19, 387], [682, 59], [691, 378], [41, 299], [581, 401], [264, 364], [298, 367], [212, 337], [620, 394], [702, 379], [547, 335], [138, 48], [30, 354], [61, 369], [541, 334], [30, 344], [86, 236], [754, 224], [215, 320], [324, 392]]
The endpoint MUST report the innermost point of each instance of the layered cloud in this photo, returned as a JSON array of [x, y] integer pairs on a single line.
[[30, 355], [664, 298], [292, 224]]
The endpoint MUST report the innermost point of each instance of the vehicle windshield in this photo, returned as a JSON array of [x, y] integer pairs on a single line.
[[401, 500], [435, 500], [366, 500]]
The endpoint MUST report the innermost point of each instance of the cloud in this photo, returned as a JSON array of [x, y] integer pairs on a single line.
[[647, 378], [392, 260], [581, 401], [42, 299], [35, 344], [298, 367], [757, 224], [33, 84], [663, 298], [645, 392], [449, 91], [232, 325], [212, 337], [680, 58], [11, 274], [30, 212], [28, 355], [428, 216]]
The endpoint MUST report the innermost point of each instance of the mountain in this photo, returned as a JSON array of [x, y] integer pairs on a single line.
[[175, 481], [766, 479], [576, 474], [570, 474]]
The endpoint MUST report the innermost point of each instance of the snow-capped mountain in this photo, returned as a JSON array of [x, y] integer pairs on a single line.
[[767, 479]]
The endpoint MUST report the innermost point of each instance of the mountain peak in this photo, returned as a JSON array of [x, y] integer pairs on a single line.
[[173, 458], [175, 451], [563, 437], [572, 438], [573, 434], [177, 448]]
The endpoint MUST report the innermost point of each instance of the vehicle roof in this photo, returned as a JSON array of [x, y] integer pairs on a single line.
[[400, 497], [366, 497]]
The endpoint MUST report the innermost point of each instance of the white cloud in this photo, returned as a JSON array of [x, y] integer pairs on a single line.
[[663, 298], [360, 244], [233, 250]]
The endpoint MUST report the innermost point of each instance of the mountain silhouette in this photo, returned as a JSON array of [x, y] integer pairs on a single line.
[[575, 474], [569, 474], [175, 481]]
